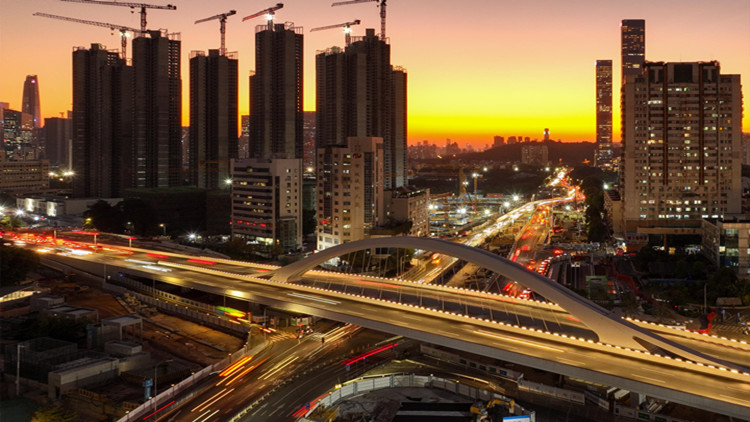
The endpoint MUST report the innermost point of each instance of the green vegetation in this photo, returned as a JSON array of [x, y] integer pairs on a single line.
[[114, 219], [15, 263]]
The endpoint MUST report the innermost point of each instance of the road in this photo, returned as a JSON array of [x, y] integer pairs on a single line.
[[633, 370], [226, 394]]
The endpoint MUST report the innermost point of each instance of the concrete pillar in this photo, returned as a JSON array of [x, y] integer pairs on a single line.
[[636, 399]]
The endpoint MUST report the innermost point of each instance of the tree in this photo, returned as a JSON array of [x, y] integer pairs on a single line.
[[15, 263], [12, 222], [106, 218]]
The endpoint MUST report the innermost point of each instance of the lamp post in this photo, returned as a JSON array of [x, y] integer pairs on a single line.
[[163, 229], [18, 368]]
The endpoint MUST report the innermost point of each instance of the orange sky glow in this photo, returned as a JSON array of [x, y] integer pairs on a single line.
[[476, 68]]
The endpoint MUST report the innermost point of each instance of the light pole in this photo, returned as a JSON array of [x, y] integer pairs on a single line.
[[704, 297], [18, 368], [163, 228], [155, 373]]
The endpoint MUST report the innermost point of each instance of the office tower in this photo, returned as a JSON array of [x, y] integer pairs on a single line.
[[498, 141], [603, 112], [213, 117], [267, 187], [267, 203], [276, 120], [350, 190], [347, 106], [58, 133], [633, 46], [102, 113], [30, 103], [546, 134], [682, 142], [157, 95]]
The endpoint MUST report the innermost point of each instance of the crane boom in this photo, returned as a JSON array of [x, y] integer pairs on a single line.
[[124, 34], [345, 25], [269, 14], [382, 11], [142, 6], [222, 17]]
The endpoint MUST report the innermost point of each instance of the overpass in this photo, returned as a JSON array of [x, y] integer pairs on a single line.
[[680, 374]]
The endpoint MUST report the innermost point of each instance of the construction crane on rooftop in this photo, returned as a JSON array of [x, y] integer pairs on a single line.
[[345, 25], [142, 6], [270, 12], [124, 30], [222, 28], [381, 5]]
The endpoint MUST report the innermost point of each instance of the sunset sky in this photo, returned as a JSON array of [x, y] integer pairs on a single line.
[[476, 68]]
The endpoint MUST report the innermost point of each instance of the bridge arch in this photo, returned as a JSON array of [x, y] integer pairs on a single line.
[[609, 327]]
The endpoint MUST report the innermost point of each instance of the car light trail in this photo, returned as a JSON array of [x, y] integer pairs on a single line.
[[156, 255], [207, 417], [370, 353], [228, 371], [201, 261], [243, 373], [158, 410], [286, 362], [517, 340], [317, 299], [211, 400]]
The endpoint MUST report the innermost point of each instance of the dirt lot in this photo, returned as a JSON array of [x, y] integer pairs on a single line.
[[163, 335]]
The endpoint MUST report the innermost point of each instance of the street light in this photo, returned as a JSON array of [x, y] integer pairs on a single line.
[[18, 368], [163, 228]]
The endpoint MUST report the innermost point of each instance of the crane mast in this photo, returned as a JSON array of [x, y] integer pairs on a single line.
[[142, 6], [270, 12], [345, 25], [381, 5], [222, 28], [124, 30]]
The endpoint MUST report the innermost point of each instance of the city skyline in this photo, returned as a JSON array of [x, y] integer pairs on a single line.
[[470, 76]]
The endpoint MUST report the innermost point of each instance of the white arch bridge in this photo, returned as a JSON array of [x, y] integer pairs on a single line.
[[609, 327], [625, 355]]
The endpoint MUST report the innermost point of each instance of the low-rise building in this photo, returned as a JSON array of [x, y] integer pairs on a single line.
[[727, 244], [267, 202], [410, 204], [23, 176]]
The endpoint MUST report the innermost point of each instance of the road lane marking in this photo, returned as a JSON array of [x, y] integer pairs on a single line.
[[575, 362], [518, 340], [317, 299], [649, 378]]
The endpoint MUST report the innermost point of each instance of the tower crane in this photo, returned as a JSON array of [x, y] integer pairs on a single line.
[[269, 14], [222, 28], [142, 6], [124, 30], [381, 5], [345, 25]]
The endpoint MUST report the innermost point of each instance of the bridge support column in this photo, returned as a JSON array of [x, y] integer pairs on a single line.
[[636, 399]]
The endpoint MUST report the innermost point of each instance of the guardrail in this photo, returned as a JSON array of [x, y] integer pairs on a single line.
[[362, 385], [173, 392]]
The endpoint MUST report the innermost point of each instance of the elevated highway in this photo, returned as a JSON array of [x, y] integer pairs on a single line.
[[675, 373]]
